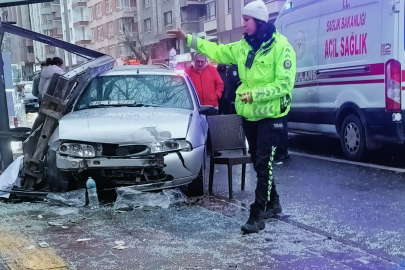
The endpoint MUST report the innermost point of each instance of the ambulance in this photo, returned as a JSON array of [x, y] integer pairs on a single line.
[[350, 70]]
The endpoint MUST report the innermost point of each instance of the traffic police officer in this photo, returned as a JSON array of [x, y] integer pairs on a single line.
[[266, 64]]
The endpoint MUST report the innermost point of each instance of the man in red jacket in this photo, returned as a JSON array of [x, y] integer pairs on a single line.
[[206, 80]]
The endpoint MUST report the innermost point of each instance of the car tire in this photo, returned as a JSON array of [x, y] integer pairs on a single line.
[[196, 188], [54, 179], [353, 138]]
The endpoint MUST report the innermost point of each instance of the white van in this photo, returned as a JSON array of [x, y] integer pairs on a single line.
[[349, 75]]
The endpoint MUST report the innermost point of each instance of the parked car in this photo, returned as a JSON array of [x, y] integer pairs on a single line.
[[30, 101], [349, 70], [133, 125]]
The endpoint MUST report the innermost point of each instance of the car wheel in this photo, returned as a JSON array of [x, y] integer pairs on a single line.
[[353, 138], [54, 179], [196, 188]]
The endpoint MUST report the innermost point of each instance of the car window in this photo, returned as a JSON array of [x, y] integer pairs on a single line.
[[194, 92], [137, 90]]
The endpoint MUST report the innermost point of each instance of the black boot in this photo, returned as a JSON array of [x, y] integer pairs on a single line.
[[255, 222], [273, 208]]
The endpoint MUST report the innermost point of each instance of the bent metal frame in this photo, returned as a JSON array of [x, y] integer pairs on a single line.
[[58, 99]]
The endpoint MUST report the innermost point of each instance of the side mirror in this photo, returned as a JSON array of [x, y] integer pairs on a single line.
[[208, 110]]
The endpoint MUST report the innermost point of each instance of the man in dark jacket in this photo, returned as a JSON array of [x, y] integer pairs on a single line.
[[223, 107], [232, 83]]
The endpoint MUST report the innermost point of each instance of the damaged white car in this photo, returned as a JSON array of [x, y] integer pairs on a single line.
[[134, 125]]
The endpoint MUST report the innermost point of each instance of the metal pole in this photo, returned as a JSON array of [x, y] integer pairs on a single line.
[[6, 155]]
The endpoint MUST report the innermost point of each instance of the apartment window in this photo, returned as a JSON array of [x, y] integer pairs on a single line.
[[119, 4], [46, 18], [91, 13], [100, 33], [229, 6], [202, 12], [128, 4], [51, 49], [69, 15], [71, 33], [153, 53], [146, 3], [125, 24], [147, 25], [168, 18], [98, 11], [108, 7], [211, 11], [123, 50], [110, 29], [93, 39], [48, 32]]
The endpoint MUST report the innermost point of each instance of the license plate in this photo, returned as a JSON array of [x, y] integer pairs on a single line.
[[36, 105]]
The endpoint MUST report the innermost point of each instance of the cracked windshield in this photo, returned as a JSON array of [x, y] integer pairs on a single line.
[[152, 90], [202, 134]]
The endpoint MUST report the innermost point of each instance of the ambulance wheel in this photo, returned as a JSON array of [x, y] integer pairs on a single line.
[[352, 137]]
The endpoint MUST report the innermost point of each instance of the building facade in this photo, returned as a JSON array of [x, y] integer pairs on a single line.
[[117, 25], [46, 19], [75, 24], [21, 49]]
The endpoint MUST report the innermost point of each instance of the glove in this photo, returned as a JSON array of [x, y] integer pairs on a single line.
[[246, 97]]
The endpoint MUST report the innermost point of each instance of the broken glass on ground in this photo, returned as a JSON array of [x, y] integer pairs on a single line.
[[75, 198], [129, 197]]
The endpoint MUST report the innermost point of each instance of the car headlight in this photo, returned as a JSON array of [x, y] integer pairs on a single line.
[[77, 150], [170, 146]]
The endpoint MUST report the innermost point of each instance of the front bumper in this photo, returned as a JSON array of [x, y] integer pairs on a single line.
[[178, 165]]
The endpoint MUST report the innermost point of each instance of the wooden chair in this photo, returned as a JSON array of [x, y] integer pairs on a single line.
[[226, 133]]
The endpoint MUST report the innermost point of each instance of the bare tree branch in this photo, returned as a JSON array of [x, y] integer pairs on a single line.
[[133, 41]]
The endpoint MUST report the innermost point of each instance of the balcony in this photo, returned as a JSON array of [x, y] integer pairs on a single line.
[[47, 25], [58, 15], [125, 12], [46, 9], [57, 33], [191, 26], [57, 28], [210, 24], [30, 58], [184, 3], [129, 9], [82, 20], [55, 8], [79, 3], [83, 40]]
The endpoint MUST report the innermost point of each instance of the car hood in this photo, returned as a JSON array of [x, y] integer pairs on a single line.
[[125, 125]]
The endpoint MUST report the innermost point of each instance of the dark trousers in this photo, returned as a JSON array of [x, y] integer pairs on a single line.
[[283, 144], [263, 137]]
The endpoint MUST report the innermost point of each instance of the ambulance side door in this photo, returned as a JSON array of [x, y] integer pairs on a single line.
[[300, 25]]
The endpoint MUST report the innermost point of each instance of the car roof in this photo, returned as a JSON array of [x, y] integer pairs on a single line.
[[141, 69]]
